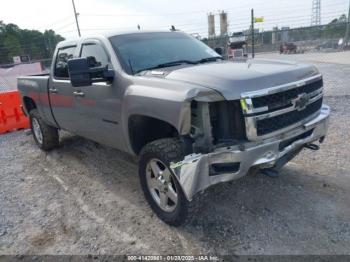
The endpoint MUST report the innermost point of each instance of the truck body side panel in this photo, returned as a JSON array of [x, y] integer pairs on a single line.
[[36, 88]]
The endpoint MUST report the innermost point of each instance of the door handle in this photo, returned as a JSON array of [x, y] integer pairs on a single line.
[[53, 90], [78, 94]]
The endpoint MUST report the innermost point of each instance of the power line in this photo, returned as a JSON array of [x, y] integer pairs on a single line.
[[64, 26], [56, 22], [269, 11], [242, 21], [194, 25], [238, 23], [198, 12], [244, 17]]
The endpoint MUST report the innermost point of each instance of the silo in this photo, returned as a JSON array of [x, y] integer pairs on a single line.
[[211, 25], [223, 23]]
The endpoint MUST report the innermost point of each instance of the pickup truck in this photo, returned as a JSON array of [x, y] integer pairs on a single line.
[[193, 119]]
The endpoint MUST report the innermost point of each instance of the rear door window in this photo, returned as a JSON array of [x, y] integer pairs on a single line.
[[61, 64]]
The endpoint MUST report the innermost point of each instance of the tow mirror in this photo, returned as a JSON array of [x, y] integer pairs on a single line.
[[82, 75]]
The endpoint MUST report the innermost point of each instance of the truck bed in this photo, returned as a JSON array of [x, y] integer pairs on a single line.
[[35, 88], [34, 84]]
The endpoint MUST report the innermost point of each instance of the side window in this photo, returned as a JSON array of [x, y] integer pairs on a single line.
[[61, 65], [95, 55]]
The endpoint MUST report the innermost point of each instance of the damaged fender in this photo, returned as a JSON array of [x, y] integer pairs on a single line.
[[171, 104]]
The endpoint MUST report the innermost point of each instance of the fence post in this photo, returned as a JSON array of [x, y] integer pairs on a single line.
[[346, 38], [252, 27]]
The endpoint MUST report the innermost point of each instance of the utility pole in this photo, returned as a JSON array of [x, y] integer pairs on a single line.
[[346, 38], [76, 18], [252, 27], [50, 46]]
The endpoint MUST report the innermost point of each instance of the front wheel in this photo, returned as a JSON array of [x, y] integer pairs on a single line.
[[160, 186]]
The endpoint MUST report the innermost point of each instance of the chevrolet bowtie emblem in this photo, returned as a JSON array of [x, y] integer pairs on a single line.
[[301, 101]]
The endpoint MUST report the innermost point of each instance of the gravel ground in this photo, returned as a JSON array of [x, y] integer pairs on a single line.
[[342, 58], [84, 198]]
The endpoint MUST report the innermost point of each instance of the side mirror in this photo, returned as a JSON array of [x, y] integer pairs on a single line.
[[82, 75]]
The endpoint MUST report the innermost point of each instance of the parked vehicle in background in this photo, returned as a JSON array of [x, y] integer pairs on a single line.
[[288, 48], [236, 46], [193, 119]]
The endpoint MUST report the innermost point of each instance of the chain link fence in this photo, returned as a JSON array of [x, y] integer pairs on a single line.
[[321, 39]]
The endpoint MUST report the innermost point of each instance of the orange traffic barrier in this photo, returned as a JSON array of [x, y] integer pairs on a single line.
[[11, 115]]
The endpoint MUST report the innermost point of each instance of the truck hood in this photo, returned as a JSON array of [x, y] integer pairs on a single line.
[[231, 79]]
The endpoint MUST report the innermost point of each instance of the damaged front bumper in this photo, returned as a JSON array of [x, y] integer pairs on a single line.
[[200, 171]]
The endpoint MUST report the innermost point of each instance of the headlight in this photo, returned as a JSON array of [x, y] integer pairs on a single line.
[[204, 95], [246, 105]]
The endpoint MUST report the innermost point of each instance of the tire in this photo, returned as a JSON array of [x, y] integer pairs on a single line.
[[49, 138], [161, 153]]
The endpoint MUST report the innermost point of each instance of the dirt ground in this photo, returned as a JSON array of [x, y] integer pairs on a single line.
[[84, 198]]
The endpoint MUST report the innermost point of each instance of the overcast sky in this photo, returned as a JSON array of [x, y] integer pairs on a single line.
[[191, 16]]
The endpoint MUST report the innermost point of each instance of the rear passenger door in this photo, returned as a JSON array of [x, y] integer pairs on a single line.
[[61, 91], [98, 105]]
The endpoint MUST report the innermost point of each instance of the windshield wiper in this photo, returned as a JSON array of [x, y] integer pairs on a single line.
[[179, 62], [209, 59], [173, 63]]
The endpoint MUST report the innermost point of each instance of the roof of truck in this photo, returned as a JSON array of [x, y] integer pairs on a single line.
[[74, 40], [113, 33], [109, 34]]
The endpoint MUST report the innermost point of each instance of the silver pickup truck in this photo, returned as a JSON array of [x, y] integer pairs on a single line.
[[193, 119]]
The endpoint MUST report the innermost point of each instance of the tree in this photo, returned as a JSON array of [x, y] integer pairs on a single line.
[[15, 41], [11, 46], [336, 28]]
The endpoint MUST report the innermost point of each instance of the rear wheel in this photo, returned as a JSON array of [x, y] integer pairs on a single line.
[[45, 136], [159, 184]]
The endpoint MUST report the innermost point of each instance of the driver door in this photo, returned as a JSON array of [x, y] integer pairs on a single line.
[[98, 105]]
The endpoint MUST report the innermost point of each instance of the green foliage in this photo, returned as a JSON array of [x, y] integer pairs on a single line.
[[15, 41]]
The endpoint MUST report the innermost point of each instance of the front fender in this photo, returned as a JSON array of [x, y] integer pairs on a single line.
[[164, 104], [169, 105]]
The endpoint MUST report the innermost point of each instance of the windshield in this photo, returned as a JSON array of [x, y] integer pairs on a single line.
[[143, 51]]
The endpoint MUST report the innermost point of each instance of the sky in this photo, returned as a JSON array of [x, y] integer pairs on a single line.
[[98, 16]]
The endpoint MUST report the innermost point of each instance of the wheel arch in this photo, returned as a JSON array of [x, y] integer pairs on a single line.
[[28, 104], [143, 129]]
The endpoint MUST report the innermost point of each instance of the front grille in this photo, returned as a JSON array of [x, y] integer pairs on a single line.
[[279, 100], [269, 115], [272, 124]]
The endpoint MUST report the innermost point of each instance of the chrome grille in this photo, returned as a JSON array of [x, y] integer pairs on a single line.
[[279, 109], [272, 124], [274, 100]]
